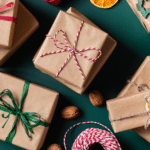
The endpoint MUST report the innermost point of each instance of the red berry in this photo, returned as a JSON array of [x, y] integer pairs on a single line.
[[53, 2]]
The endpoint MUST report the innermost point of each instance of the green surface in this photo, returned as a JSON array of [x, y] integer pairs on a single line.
[[133, 46]]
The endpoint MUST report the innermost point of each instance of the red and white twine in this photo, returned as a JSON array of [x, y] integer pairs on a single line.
[[94, 135], [7, 18], [72, 51]]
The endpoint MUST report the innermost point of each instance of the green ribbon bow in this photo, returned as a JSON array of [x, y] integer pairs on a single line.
[[25, 117], [139, 6]]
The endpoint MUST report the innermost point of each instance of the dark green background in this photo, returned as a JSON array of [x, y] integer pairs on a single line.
[[133, 46]]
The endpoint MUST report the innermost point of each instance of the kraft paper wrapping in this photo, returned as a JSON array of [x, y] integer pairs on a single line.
[[7, 27], [107, 47], [128, 105], [25, 27], [39, 99], [141, 76], [145, 21]]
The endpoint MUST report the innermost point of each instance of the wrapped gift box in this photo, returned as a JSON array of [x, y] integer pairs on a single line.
[[139, 7], [141, 76], [7, 27], [90, 36], [39, 99], [120, 108], [24, 29]]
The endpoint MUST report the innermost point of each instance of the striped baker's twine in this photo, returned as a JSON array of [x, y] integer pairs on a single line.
[[93, 135], [72, 51], [136, 114]]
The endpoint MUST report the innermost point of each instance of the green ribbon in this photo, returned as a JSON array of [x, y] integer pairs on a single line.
[[25, 117], [139, 6]]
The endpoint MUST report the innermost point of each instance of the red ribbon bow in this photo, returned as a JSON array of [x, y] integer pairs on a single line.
[[7, 18], [72, 51]]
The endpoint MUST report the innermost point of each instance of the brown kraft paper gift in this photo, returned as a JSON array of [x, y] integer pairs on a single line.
[[23, 30], [127, 106], [7, 27], [70, 75], [141, 76], [145, 21], [39, 99]]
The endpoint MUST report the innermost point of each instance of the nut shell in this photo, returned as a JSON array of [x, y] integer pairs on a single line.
[[70, 112], [55, 147], [96, 98]]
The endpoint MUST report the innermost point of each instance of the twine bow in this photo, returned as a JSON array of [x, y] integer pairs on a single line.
[[144, 12], [72, 51], [136, 114], [7, 18], [25, 117], [139, 87]]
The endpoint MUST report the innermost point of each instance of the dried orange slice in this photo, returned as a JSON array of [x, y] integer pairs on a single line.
[[148, 106], [104, 3]]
